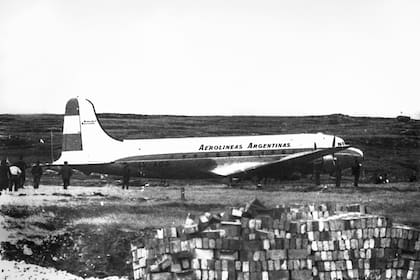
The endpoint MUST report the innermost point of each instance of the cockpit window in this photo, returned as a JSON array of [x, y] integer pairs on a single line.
[[341, 143]]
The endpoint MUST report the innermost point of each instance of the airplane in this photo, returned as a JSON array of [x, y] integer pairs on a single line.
[[86, 146]]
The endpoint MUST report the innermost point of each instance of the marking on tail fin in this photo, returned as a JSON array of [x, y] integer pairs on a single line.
[[72, 142], [72, 137], [88, 122], [71, 125]]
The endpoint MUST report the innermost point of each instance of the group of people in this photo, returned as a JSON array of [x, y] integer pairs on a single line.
[[13, 176]]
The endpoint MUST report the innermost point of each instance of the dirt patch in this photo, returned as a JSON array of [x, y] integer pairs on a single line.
[[83, 251], [48, 235], [17, 212]]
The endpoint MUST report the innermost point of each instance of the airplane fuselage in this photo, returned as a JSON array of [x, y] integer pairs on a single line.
[[178, 158]]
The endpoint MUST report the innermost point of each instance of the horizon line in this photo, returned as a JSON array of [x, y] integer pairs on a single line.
[[239, 115]]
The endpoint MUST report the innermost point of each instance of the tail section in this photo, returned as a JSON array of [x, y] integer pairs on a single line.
[[84, 140]]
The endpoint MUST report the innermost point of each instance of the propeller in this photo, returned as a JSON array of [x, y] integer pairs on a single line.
[[337, 166], [317, 166], [333, 155]]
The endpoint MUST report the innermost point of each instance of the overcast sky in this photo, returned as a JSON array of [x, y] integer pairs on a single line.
[[216, 57]]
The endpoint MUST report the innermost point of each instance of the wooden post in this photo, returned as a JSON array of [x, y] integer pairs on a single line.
[[182, 193]]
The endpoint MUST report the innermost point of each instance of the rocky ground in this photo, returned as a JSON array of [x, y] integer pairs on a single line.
[[85, 232], [39, 241]]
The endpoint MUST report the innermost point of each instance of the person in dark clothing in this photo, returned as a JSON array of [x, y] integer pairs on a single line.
[[356, 172], [413, 177], [36, 174], [4, 175], [66, 173], [22, 166], [126, 176]]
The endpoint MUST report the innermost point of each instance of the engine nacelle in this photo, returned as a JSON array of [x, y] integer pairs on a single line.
[[326, 164]]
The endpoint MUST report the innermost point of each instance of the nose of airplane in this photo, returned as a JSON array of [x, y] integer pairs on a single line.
[[356, 152]]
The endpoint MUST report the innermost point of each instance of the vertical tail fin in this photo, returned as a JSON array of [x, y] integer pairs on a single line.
[[84, 140]]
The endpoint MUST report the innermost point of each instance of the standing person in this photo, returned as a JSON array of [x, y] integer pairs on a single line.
[[4, 175], [66, 173], [22, 166], [356, 172], [15, 174], [126, 176], [36, 174]]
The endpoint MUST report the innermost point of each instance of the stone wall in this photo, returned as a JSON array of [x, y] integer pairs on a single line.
[[325, 241]]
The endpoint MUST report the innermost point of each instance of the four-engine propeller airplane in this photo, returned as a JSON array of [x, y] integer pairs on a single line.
[[87, 147]]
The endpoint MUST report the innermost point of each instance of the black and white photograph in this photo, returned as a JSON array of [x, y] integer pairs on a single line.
[[209, 140]]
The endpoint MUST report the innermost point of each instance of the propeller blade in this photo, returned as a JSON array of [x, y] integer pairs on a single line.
[[333, 145], [314, 145]]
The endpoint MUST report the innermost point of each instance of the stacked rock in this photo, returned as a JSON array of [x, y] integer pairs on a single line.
[[287, 242]]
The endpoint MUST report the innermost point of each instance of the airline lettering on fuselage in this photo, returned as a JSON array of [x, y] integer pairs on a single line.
[[268, 146], [219, 147], [240, 147]]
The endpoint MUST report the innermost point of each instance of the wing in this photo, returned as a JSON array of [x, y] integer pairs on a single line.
[[241, 168]]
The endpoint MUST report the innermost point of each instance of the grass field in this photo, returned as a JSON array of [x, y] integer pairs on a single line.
[[390, 146], [87, 230]]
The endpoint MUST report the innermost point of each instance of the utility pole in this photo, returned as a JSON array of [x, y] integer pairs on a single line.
[[52, 146]]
